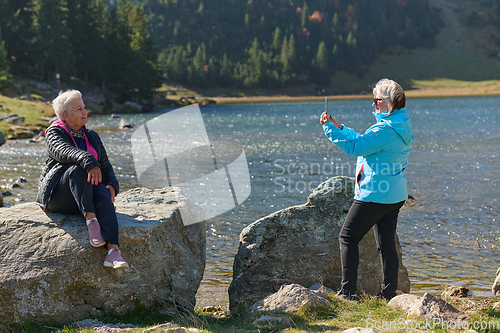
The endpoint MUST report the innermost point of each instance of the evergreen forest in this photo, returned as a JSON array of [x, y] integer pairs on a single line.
[[128, 48]]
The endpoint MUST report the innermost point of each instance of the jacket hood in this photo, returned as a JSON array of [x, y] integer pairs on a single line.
[[399, 120]]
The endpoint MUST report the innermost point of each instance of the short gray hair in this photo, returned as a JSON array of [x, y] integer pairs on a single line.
[[391, 92], [61, 102]]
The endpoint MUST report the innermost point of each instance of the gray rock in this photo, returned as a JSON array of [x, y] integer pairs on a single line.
[[41, 85], [428, 306], [455, 291], [320, 287], [26, 97], [102, 327], [269, 321], [290, 299], [158, 327], [125, 124], [13, 119], [300, 245], [50, 273], [21, 132], [495, 289], [360, 330], [404, 301], [50, 120], [132, 107], [2, 138]]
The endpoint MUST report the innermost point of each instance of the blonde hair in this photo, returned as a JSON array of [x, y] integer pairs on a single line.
[[61, 102], [391, 92]]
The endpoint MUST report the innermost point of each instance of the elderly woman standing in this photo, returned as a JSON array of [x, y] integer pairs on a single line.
[[380, 190], [78, 177]]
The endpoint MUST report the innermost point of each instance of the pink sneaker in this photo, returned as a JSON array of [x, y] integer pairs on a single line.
[[114, 259], [96, 239]]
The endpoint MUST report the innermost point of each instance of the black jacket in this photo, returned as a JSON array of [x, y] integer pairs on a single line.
[[63, 154]]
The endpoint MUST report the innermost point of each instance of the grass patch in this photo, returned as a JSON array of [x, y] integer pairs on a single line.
[[31, 111], [337, 317], [442, 82]]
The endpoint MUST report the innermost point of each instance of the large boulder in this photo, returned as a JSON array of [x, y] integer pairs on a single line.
[[300, 245], [2, 138], [49, 272], [495, 289]]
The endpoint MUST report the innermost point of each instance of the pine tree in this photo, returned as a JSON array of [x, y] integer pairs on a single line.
[[284, 56], [321, 65], [16, 23], [292, 53], [257, 66], [277, 39], [197, 71], [225, 72], [54, 44], [85, 38], [144, 71], [4, 65], [304, 19]]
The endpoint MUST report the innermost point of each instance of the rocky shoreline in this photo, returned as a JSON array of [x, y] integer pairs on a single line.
[[280, 251]]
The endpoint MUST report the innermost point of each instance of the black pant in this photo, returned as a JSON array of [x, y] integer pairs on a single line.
[[361, 218], [73, 194]]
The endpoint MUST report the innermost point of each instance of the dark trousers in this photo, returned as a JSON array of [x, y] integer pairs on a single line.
[[73, 194], [361, 218]]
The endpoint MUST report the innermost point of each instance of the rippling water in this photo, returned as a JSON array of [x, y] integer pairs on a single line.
[[450, 237]]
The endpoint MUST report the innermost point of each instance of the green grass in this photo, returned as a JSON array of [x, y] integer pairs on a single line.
[[341, 315], [442, 82], [31, 111]]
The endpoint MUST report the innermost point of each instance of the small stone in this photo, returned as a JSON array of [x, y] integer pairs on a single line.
[[125, 124], [320, 287], [291, 298], [454, 291], [175, 330], [157, 327], [360, 330], [427, 306], [267, 321], [7, 194], [212, 308], [89, 323]]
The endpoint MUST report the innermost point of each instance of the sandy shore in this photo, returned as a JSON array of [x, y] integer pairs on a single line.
[[475, 91]]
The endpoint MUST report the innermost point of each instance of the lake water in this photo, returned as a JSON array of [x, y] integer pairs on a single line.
[[450, 237]]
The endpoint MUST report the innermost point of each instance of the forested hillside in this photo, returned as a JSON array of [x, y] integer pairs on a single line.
[[270, 43], [104, 44], [124, 47]]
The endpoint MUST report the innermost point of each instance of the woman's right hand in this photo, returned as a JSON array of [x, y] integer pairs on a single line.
[[95, 175], [325, 118]]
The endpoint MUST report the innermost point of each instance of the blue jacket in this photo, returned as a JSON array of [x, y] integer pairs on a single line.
[[382, 156]]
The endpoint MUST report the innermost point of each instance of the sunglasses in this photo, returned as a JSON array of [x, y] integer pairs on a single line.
[[377, 100]]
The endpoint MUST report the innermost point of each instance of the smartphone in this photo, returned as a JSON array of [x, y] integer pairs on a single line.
[[326, 105]]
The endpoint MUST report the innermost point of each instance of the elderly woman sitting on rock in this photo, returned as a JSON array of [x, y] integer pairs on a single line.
[[78, 177]]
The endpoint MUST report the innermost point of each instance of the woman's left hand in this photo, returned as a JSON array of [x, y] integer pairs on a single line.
[[95, 175], [112, 191]]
